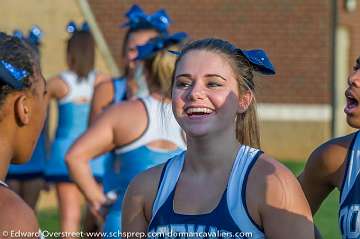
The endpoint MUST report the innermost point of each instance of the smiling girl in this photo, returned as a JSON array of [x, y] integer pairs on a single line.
[[223, 182]]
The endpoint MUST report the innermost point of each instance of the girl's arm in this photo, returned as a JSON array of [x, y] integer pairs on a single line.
[[117, 126], [102, 98], [138, 201], [57, 88]]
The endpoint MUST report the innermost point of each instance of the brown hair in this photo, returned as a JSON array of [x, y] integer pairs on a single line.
[[160, 68], [247, 129], [126, 40], [81, 53]]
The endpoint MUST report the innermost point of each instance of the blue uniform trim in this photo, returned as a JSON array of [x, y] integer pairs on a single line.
[[162, 175], [120, 89], [243, 193], [349, 152], [160, 180], [132, 163], [220, 218]]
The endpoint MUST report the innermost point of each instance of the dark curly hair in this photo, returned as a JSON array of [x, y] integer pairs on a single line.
[[357, 64], [21, 55]]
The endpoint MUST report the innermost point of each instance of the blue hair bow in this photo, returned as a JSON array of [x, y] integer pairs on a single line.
[[157, 44], [72, 27], [34, 37], [260, 61], [138, 19], [11, 75]]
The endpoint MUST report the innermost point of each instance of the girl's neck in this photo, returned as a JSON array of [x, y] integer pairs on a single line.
[[210, 152], [6, 155]]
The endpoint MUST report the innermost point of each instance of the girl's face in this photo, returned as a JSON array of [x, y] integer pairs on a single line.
[[352, 94], [205, 93], [137, 39]]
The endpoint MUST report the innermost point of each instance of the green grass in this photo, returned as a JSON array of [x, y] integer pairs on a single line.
[[325, 219], [48, 219]]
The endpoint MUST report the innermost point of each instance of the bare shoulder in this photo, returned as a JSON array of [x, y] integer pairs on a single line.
[[131, 109], [145, 181], [16, 214], [144, 187], [273, 188], [328, 160], [331, 155], [101, 78], [273, 184], [54, 80], [275, 193], [272, 175], [57, 87], [104, 86], [103, 93]]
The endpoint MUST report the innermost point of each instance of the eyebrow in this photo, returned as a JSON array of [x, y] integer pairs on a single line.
[[183, 75], [207, 75], [215, 75]]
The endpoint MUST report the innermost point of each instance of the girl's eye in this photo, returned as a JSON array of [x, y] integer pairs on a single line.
[[182, 84], [214, 84]]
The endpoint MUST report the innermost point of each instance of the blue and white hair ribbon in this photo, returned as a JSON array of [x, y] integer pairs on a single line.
[[259, 60], [138, 19], [11, 75], [159, 43], [34, 36], [72, 27]]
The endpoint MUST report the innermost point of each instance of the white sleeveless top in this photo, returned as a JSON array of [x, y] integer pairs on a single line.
[[78, 90], [162, 125]]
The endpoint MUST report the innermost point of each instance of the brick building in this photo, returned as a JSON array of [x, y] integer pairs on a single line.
[[313, 45], [300, 107]]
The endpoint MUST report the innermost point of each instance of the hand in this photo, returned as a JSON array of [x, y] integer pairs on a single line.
[[96, 203], [110, 200]]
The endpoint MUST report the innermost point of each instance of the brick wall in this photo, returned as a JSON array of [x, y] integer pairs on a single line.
[[351, 21], [296, 34]]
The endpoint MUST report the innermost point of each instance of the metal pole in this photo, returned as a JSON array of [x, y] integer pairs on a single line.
[[99, 38]]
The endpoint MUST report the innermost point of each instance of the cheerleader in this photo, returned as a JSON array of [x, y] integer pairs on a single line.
[[73, 90], [23, 98], [27, 180], [141, 28], [147, 136], [223, 185]]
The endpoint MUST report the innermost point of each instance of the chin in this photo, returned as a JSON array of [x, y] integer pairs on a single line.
[[353, 122], [196, 132]]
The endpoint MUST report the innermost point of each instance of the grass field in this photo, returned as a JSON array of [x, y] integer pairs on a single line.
[[325, 219], [327, 216]]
